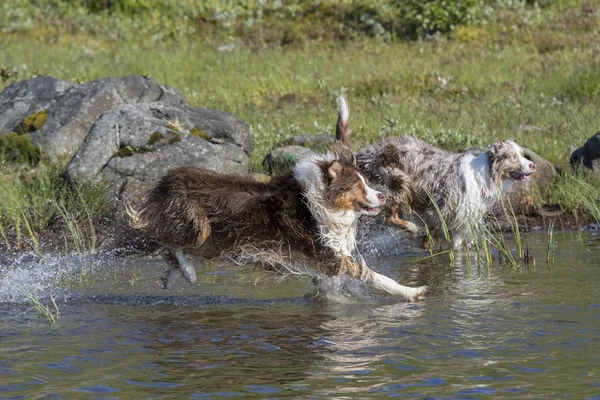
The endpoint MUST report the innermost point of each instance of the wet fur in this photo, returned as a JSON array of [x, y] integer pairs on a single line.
[[300, 222], [464, 186]]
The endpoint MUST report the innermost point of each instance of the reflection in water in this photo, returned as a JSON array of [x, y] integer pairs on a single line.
[[527, 333]]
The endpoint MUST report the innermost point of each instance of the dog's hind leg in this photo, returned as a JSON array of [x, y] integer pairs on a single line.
[[173, 273], [178, 262], [178, 266], [187, 269]]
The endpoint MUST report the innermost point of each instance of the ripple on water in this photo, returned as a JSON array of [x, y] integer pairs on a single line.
[[97, 389]]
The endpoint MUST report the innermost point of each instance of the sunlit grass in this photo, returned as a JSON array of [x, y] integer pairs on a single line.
[[32, 198], [578, 193]]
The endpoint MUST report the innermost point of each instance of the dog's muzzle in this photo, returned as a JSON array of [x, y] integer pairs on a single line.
[[523, 175]]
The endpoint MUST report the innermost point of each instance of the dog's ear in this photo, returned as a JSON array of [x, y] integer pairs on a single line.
[[342, 129], [493, 158], [334, 170]]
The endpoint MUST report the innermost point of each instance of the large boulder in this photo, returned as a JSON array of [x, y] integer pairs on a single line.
[[57, 115], [132, 146], [588, 155], [526, 197]]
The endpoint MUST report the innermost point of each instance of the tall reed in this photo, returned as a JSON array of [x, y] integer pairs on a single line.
[[445, 230], [44, 311], [551, 245]]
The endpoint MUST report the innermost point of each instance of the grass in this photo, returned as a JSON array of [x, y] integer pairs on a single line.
[[444, 229], [551, 245], [44, 311], [34, 198], [580, 194]]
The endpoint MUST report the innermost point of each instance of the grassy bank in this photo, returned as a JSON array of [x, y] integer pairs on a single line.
[[508, 69]]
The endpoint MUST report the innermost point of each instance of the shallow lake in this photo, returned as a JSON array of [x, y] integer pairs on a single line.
[[480, 332]]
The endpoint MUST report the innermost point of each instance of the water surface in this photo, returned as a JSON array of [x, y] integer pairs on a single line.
[[532, 332]]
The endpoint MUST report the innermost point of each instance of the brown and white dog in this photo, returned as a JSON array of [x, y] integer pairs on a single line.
[[300, 222], [464, 186]]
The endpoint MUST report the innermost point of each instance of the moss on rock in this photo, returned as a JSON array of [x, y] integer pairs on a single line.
[[128, 151], [200, 133], [34, 121], [176, 138], [155, 137]]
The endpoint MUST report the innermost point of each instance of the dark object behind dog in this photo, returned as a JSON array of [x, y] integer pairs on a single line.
[[301, 222], [463, 186]]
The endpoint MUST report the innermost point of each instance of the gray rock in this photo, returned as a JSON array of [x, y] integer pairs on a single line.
[[71, 109], [318, 143], [526, 197], [286, 153], [588, 155], [132, 146], [286, 157]]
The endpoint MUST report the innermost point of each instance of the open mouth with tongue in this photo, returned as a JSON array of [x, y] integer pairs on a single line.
[[370, 210], [519, 176]]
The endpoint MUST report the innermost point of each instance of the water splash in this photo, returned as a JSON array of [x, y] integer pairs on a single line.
[[44, 275]]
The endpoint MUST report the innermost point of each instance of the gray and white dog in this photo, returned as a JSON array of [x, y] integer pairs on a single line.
[[464, 186]]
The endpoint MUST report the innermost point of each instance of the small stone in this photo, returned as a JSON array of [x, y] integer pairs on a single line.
[[282, 158]]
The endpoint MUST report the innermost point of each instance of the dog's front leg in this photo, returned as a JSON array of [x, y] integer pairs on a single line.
[[402, 223], [381, 282], [387, 284]]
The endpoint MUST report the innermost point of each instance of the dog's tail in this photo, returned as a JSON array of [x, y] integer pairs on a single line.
[[135, 217], [342, 130]]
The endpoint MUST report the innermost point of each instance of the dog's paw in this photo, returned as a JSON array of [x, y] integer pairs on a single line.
[[189, 273], [172, 276], [416, 293], [412, 227], [404, 224]]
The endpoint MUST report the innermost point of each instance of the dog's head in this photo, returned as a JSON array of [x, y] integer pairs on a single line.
[[341, 185], [346, 189], [508, 162]]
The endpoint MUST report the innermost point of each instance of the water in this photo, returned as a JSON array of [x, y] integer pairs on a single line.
[[479, 333]]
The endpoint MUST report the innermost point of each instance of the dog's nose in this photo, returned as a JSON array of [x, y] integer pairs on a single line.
[[381, 197], [532, 166]]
